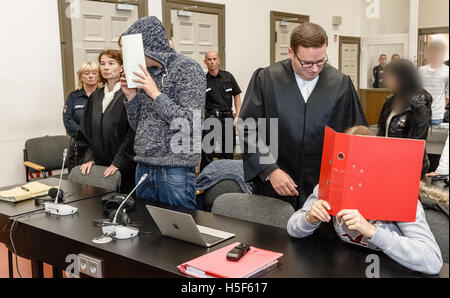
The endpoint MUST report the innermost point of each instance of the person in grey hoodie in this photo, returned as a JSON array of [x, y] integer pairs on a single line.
[[167, 113], [411, 244]]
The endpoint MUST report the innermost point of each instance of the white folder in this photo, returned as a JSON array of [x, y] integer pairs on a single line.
[[133, 55]]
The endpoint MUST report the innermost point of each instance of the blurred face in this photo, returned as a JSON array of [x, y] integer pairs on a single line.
[[436, 55], [383, 60], [308, 62], [395, 57], [212, 61], [390, 82], [110, 68], [89, 77]]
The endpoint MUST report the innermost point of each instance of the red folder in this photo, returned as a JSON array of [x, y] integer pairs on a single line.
[[378, 176], [215, 264]]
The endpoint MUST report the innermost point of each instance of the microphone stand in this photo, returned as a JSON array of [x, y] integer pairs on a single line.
[[120, 231], [54, 207]]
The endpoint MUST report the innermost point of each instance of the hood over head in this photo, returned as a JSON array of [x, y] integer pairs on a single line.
[[156, 44]]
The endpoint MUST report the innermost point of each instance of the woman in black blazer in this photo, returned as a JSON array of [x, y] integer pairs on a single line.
[[105, 138]]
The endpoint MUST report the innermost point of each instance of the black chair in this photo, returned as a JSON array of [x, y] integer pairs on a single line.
[[43, 155]]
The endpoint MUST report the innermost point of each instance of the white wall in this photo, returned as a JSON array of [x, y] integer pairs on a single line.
[[248, 28], [31, 100], [394, 19], [433, 13]]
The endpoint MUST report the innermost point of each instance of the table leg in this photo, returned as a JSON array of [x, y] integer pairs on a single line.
[[57, 273], [10, 264], [37, 269]]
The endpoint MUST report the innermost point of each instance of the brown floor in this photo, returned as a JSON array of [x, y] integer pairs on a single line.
[[24, 266]]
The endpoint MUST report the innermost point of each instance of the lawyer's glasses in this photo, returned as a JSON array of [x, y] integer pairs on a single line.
[[306, 65]]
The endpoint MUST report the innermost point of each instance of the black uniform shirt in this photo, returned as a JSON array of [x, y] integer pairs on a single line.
[[74, 110], [220, 92]]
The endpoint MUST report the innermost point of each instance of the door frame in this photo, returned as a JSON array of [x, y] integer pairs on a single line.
[[201, 7], [281, 16], [351, 40], [386, 39], [65, 32]]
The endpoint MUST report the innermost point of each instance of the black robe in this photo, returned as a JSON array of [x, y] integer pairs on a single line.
[[273, 93], [107, 138]]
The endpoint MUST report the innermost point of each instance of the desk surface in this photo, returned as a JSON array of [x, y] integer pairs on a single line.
[[73, 192], [52, 238]]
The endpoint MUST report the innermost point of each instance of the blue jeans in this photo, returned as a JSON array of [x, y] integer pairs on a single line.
[[170, 185], [437, 122]]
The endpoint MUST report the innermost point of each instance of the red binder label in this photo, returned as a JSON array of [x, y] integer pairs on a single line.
[[378, 176]]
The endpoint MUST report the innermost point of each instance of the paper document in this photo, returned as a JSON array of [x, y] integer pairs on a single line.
[[133, 55], [27, 191]]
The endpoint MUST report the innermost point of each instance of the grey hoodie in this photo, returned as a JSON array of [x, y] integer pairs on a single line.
[[409, 243], [183, 87]]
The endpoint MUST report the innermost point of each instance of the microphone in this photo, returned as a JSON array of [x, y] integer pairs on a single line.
[[134, 189], [54, 207], [118, 231], [60, 176]]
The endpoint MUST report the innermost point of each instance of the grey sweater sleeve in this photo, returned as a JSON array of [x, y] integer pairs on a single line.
[[298, 226], [191, 95], [416, 248]]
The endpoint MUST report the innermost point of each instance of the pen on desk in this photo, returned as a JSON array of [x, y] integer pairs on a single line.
[[24, 188]]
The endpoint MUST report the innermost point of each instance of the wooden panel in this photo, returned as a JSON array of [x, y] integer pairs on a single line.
[[372, 101]]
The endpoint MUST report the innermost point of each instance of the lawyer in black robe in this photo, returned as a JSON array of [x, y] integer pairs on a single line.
[[273, 93], [107, 138]]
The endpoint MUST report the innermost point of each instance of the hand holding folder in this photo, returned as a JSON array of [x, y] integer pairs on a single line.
[[377, 176]]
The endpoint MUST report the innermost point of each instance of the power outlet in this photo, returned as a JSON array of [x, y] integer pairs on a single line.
[[90, 266]]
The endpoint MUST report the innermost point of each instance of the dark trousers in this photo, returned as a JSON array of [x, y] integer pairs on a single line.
[[207, 158]]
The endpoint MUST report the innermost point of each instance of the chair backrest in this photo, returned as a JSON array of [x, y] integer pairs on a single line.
[[259, 209], [96, 178], [223, 187], [47, 151]]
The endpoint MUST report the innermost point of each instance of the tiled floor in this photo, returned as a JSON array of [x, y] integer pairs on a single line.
[[24, 266]]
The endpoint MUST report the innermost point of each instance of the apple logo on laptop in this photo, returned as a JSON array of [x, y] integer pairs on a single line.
[[176, 226]]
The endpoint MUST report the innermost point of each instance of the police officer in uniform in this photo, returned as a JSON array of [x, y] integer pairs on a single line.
[[378, 72], [222, 88], [75, 105]]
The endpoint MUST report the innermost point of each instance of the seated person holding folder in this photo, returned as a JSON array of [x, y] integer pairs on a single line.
[[411, 244]]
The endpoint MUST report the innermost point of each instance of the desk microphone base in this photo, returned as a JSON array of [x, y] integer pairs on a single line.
[[120, 232], [60, 209]]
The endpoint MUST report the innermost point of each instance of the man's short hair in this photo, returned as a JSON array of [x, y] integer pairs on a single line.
[[308, 35], [383, 55]]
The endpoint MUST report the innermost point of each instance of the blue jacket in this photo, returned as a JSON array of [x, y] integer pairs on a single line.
[[74, 110]]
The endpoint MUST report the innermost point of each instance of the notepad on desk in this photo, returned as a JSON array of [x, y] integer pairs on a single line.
[[25, 192], [216, 265]]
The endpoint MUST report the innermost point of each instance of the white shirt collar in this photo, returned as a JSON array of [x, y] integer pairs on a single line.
[[109, 95], [306, 87]]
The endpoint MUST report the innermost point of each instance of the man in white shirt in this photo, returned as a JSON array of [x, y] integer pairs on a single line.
[[435, 80]]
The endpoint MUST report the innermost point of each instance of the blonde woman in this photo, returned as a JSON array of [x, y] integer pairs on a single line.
[[88, 82]]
